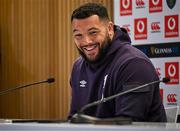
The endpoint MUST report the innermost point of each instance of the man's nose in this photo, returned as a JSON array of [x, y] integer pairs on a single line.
[[87, 40]]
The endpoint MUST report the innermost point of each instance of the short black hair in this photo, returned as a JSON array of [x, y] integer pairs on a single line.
[[89, 9]]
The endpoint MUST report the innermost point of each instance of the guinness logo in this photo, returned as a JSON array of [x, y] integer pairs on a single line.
[[152, 50], [171, 3]]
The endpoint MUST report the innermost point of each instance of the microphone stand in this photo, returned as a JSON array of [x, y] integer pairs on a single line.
[[80, 117], [49, 80]]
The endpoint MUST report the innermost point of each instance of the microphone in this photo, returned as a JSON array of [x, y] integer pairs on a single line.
[[49, 80], [80, 117]]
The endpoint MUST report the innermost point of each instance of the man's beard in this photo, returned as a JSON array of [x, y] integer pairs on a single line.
[[102, 51]]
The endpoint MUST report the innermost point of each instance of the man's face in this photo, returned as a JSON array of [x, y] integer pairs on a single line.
[[91, 37]]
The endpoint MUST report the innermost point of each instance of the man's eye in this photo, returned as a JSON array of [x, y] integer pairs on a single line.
[[93, 33], [78, 36]]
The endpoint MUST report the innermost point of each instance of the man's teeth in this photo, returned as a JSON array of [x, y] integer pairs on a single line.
[[91, 47]]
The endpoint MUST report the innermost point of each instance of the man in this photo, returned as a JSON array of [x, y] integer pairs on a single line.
[[108, 65]]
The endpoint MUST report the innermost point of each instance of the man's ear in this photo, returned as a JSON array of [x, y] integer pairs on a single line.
[[111, 29]]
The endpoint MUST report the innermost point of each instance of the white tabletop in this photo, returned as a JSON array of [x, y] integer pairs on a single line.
[[64, 126]]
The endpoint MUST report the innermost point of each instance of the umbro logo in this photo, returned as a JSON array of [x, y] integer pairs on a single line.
[[83, 83]]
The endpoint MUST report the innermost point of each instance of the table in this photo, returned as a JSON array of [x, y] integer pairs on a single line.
[[65, 126]]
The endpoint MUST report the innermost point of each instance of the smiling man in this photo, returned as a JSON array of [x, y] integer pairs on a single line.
[[107, 65], [92, 36]]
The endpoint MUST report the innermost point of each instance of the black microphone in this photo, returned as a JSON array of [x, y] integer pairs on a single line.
[[49, 80], [80, 117]]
